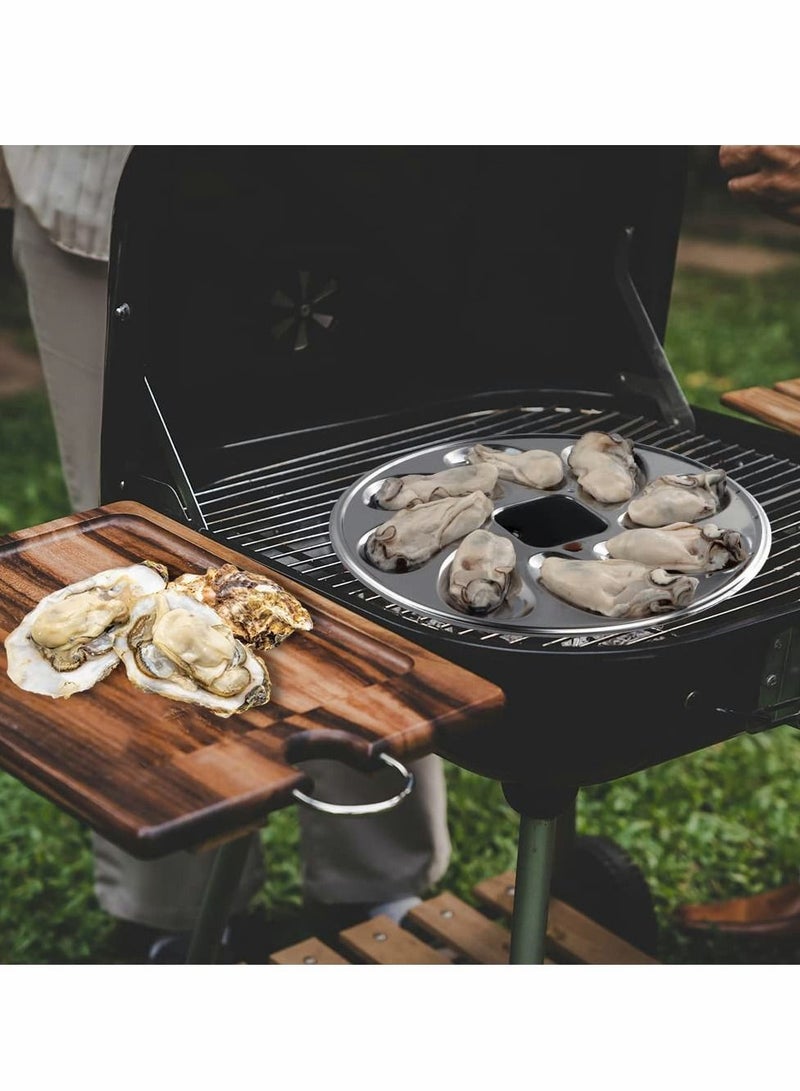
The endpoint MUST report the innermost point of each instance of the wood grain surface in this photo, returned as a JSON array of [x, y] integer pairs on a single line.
[[776, 407], [154, 775]]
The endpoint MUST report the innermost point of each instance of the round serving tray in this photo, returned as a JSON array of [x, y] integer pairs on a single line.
[[529, 607]]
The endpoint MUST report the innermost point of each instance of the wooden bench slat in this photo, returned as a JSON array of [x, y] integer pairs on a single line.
[[497, 892], [789, 386], [310, 952], [767, 405], [463, 928], [570, 933], [380, 940]]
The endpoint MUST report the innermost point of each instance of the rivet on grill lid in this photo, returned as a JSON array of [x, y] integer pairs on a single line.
[[123, 312]]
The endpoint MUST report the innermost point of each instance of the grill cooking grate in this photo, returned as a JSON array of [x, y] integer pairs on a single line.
[[281, 512]]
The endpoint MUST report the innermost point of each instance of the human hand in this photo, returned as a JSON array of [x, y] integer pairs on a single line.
[[767, 174]]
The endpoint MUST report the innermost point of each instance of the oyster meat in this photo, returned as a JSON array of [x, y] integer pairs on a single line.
[[616, 588], [402, 492], [180, 648], [66, 643], [413, 535], [481, 570], [538, 469], [680, 547], [678, 498], [604, 465], [257, 610]]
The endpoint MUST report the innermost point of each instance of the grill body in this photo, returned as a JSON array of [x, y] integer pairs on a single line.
[[284, 321]]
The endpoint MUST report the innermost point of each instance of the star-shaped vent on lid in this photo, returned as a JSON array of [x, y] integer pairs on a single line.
[[303, 310]]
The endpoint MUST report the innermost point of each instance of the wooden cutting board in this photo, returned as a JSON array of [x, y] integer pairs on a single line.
[[155, 775]]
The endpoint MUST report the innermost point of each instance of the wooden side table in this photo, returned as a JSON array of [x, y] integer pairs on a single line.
[[778, 406]]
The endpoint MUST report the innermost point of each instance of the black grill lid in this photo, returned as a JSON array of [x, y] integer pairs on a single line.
[[272, 289]]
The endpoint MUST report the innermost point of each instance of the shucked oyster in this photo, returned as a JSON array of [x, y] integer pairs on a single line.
[[604, 465], [618, 589], [176, 646], [680, 547], [414, 534], [258, 610], [538, 469], [481, 570], [678, 498], [402, 492], [65, 644]]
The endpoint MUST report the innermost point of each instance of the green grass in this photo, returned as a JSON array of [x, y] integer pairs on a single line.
[[722, 822], [31, 485]]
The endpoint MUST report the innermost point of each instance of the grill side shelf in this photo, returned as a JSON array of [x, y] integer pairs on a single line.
[[155, 775]]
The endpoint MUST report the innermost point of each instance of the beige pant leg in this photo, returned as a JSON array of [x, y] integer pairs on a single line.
[[67, 303], [165, 893], [384, 856], [369, 859]]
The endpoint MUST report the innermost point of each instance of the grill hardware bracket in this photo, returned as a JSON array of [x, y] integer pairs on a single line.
[[662, 386], [779, 695], [180, 479]]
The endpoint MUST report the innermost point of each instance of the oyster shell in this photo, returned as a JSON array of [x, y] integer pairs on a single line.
[[65, 644], [413, 535], [481, 570], [680, 547], [180, 648], [257, 610], [538, 469], [604, 465], [678, 498], [401, 492], [616, 588]]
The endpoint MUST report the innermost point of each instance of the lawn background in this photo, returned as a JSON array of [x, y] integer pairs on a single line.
[[723, 822]]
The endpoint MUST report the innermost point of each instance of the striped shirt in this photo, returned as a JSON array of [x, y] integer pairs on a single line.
[[70, 190]]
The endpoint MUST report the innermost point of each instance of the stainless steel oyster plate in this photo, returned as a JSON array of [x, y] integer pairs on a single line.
[[563, 521]]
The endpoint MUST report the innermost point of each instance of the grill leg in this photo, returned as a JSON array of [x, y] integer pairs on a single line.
[[532, 889], [539, 809], [217, 901]]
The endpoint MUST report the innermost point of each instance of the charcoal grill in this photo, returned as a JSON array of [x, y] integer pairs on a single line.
[[286, 322]]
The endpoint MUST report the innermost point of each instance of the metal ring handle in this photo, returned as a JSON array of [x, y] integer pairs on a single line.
[[362, 808]]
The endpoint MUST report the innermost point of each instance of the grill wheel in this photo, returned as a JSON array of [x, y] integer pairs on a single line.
[[602, 881]]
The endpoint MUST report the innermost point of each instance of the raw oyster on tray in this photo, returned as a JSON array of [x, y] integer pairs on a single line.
[[680, 547], [414, 534], [537, 469], [401, 492], [616, 588], [481, 571], [604, 466], [678, 498]]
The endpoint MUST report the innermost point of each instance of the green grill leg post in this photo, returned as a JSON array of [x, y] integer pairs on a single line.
[[532, 889], [218, 901]]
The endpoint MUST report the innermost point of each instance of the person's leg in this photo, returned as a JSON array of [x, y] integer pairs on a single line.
[[164, 894], [381, 858], [67, 304]]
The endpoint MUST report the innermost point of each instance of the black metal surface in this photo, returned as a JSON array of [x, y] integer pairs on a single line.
[[444, 269], [467, 287]]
